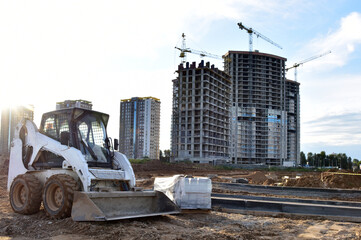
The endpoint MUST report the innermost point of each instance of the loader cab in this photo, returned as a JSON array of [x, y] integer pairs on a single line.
[[82, 129]]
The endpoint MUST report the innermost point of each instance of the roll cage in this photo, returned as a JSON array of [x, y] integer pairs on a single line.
[[82, 129]]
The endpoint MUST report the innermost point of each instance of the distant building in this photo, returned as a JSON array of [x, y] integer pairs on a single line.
[[74, 103], [201, 114], [139, 127], [9, 119]]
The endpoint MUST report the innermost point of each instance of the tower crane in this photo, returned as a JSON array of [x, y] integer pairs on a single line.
[[251, 31], [296, 65], [184, 50]]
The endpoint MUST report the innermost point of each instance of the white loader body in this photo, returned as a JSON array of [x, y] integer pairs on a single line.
[[74, 159], [73, 168]]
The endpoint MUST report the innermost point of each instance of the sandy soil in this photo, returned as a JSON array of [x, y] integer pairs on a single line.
[[146, 173], [212, 225]]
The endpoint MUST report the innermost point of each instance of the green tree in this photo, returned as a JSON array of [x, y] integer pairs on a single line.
[[303, 159], [349, 163], [161, 158], [356, 163], [332, 159], [342, 160], [323, 158], [310, 159], [167, 155], [316, 158]]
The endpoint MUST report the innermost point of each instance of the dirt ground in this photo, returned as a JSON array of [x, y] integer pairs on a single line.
[[146, 173], [212, 225]]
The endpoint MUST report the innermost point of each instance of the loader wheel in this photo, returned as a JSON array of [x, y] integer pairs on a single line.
[[25, 194], [58, 195]]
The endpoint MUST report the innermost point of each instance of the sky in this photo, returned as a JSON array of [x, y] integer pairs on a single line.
[[105, 51]]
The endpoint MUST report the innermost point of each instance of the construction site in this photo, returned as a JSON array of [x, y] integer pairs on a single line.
[[218, 223], [232, 173]]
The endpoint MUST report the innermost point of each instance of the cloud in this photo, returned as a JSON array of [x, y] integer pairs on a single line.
[[72, 30], [338, 130], [342, 41], [339, 135], [103, 50], [330, 114], [332, 95], [330, 110]]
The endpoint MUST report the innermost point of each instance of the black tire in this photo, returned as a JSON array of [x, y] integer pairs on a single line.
[[25, 194], [58, 195]]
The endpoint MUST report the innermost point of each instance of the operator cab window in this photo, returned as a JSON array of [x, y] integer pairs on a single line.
[[49, 127], [91, 133], [54, 125]]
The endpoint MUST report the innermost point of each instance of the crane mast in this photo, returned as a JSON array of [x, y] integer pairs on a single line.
[[296, 65], [250, 31]]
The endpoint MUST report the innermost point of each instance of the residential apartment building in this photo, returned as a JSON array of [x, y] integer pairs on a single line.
[[265, 110], [293, 121], [10, 118], [139, 127], [74, 103], [201, 114]]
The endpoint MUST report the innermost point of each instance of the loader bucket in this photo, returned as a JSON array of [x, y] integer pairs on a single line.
[[106, 206]]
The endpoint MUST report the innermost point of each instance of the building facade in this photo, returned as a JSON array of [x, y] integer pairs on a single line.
[[261, 100], [139, 127], [9, 120], [201, 114], [74, 103], [293, 121]]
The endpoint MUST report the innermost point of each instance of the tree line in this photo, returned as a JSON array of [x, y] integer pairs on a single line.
[[318, 160], [164, 157], [333, 160]]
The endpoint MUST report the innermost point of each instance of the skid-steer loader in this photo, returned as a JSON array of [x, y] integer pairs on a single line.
[[70, 164]]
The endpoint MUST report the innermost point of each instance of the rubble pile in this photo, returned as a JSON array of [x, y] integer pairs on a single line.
[[257, 178], [305, 181], [344, 180]]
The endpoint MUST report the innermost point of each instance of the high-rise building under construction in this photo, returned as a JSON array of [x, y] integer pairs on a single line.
[[265, 110], [139, 127], [200, 117], [10, 118], [293, 121], [256, 114]]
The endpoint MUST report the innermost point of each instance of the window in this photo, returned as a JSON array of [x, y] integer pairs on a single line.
[[49, 127], [54, 125], [92, 137]]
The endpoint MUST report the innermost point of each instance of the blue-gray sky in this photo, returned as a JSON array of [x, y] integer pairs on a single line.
[[104, 51]]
